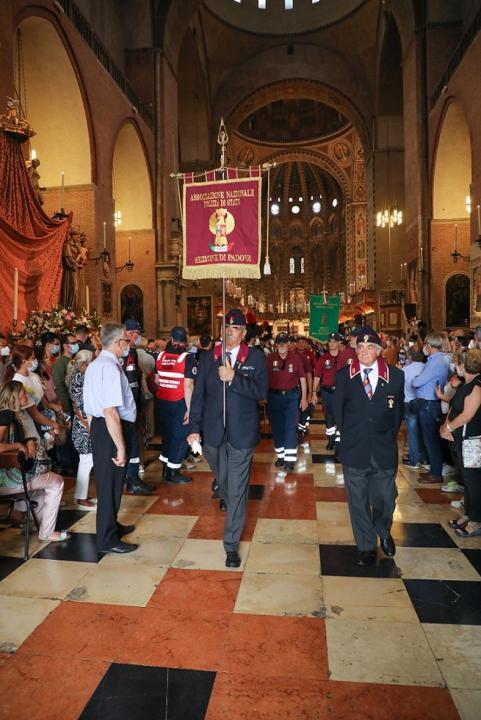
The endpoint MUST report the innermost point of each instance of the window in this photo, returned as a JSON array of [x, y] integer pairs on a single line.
[[292, 266], [302, 266]]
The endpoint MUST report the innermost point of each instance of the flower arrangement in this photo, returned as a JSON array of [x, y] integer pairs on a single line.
[[58, 320]]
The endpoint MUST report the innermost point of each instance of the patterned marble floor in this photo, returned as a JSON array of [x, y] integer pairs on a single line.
[[299, 631]]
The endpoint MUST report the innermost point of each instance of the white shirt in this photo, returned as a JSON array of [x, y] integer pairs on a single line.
[[373, 375], [106, 385], [233, 355]]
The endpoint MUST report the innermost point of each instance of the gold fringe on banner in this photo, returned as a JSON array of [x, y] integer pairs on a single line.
[[218, 271]]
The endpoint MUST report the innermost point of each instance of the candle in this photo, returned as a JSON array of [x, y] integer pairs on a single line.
[[455, 238], [130, 247], [33, 156], [479, 220], [15, 294], [421, 259], [62, 188], [87, 299], [105, 235]]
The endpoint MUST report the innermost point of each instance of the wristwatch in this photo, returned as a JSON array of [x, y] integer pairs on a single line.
[[448, 427]]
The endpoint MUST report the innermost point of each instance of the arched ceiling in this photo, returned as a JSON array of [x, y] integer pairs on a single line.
[[292, 120], [302, 183], [282, 17]]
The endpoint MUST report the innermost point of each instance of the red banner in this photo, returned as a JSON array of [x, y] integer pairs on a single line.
[[222, 229]]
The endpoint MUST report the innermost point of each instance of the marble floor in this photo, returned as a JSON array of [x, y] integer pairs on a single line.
[[297, 632]]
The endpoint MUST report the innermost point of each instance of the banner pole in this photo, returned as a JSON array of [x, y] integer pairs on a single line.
[[222, 140]]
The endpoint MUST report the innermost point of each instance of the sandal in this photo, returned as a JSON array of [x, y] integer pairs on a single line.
[[63, 536], [455, 524], [464, 533]]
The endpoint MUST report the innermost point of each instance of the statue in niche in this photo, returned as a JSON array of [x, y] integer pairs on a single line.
[[361, 250], [69, 294], [360, 225], [34, 176], [83, 253]]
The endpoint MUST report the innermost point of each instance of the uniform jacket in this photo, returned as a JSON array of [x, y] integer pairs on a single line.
[[248, 386], [368, 427]]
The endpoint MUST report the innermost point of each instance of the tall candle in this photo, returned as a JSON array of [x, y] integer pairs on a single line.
[[105, 234], [479, 220], [455, 238], [87, 299], [421, 259], [62, 189], [130, 247], [15, 294]]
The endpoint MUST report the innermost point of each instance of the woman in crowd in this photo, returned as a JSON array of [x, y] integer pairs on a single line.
[[80, 429], [46, 488], [416, 450], [22, 369], [464, 419]]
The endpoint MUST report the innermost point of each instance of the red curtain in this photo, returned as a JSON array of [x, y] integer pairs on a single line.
[[29, 240]]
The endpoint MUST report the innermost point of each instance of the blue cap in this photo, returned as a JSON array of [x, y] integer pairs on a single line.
[[235, 317], [368, 335], [179, 334], [133, 325]]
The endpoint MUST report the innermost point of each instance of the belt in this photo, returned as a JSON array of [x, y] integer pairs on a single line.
[[284, 392], [328, 388]]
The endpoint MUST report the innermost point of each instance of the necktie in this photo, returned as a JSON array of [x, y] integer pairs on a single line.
[[366, 383], [229, 357]]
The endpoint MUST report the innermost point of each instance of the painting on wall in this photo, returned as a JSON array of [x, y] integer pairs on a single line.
[[107, 298], [199, 314], [132, 304]]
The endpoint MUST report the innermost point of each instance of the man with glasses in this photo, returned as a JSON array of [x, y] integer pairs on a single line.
[[368, 408], [230, 435], [110, 405]]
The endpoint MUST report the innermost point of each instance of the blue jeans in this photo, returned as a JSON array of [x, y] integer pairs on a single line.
[[430, 418], [416, 449]]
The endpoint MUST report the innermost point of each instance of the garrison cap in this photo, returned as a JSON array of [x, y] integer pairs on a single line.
[[282, 337], [133, 326], [356, 330], [334, 336], [235, 317], [368, 335], [179, 334]]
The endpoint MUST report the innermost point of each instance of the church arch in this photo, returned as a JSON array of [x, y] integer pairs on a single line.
[[452, 173], [194, 142], [55, 105], [131, 182], [456, 300], [132, 303]]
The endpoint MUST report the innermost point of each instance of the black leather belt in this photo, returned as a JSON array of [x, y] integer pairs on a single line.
[[328, 388], [284, 392]]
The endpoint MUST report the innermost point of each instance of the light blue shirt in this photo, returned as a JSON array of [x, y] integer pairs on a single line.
[[411, 370], [435, 373], [106, 385]]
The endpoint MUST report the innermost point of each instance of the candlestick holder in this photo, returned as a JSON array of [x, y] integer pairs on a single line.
[[60, 215], [457, 256], [129, 266], [14, 336], [104, 256]]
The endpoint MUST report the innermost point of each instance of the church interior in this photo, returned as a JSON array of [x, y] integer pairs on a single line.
[[366, 113]]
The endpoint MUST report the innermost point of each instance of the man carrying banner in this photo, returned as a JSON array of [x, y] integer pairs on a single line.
[[368, 409], [230, 439], [287, 394], [324, 377]]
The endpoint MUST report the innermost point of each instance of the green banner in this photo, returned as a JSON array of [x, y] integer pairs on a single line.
[[324, 316]]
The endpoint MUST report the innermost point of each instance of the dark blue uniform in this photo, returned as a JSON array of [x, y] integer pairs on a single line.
[[283, 404], [229, 449]]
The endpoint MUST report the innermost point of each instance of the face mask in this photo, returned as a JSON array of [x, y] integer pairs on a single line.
[[459, 372], [74, 348], [33, 365], [452, 367], [138, 340], [125, 352], [5, 351], [55, 349], [426, 350]]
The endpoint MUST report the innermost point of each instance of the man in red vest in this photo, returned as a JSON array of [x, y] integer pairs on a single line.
[[175, 372]]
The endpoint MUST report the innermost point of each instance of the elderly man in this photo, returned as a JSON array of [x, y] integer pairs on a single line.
[[109, 402], [368, 409], [430, 417], [230, 439]]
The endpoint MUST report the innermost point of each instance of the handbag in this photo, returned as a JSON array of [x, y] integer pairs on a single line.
[[471, 450]]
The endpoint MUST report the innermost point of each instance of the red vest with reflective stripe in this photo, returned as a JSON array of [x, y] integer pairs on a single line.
[[170, 370]]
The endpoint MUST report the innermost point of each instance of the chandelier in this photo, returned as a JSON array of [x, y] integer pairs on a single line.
[[389, 217]]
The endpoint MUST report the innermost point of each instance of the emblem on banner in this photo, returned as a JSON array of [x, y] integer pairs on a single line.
[[221, 224]]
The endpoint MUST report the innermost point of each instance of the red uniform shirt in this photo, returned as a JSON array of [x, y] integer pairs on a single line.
[[326, 369], [284, 373], [346, 356], [305, 361]]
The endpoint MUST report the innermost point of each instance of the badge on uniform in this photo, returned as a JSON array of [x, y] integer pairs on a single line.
[[290, 368], [390, 401], [130, 368], [327, 364]]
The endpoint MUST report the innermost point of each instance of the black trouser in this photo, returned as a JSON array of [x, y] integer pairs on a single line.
[[109, 480], [472, 486]]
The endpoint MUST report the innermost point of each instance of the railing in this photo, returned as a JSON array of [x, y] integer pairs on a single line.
[[84, 28], [458, 55]]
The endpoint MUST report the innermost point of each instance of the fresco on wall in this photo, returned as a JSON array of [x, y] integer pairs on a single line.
[[457, 300], [199, 315], [132, 304]]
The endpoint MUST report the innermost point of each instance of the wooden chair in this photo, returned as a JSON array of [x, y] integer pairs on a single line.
[[10, 460]]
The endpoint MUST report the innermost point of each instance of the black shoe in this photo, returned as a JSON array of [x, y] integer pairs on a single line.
[[366, 558], [330, 444], [138, 488], [222, 505], [68, 471], [300, 436], [174, 477], [232, 559], [121, 547], [164, 470], [279, 463], [289, 467], [215, 490], [125, 529], [388, 546]]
